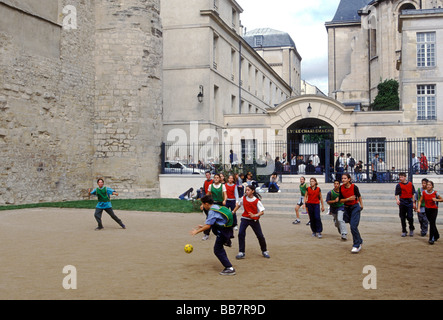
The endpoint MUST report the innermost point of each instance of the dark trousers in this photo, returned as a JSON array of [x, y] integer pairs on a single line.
[[431, 214], [98, 216], [406, 213], [314, 217], [255, 225], [231, 204], [223, 237], [352, 216]]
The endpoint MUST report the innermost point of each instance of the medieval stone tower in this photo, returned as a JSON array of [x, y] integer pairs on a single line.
[[80, 98]]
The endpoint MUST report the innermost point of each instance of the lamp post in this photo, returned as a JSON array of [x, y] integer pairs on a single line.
[[200, 94]]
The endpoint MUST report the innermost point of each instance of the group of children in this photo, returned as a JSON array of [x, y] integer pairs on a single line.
[[424, 201], [222, 201], [345, 203], [225, 197]]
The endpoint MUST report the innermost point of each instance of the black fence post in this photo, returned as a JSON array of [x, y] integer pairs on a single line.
[[162, 157], [410, 173], [327, 161]]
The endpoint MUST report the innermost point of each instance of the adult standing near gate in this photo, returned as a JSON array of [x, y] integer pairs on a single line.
[[374, 167], [351, 197]]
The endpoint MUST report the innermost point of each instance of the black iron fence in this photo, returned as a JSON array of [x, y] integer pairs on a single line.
[[376, 160]]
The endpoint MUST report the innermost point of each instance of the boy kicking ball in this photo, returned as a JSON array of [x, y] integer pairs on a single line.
[[220, 220], [104, 203]]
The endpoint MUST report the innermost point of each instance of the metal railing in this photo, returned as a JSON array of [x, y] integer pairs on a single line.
[[376, 160]]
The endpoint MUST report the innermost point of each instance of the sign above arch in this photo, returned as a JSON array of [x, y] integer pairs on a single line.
[[328, 110]]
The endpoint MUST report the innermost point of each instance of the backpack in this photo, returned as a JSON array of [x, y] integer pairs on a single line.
[[351, 162], [337, 164], [227, 214]]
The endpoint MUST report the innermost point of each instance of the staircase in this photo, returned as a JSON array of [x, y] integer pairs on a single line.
[[378, 201]]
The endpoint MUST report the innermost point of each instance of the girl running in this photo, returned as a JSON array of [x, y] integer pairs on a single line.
[[351, 197], [254, 209], [303, 186], [431, 198], [313, 198]]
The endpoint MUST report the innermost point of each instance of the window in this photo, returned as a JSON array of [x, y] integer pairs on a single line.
[[376, 146], [426, 49], [215, 51], [426, 107], [258, 41]]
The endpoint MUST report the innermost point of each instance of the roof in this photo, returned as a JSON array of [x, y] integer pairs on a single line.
[[270, 38], [347, 11]]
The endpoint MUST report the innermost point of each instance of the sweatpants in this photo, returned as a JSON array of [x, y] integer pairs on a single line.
[[255, 225], [431, 214], [314, 217], [352, 216], [98, 216], [406, 213], [223, 237]]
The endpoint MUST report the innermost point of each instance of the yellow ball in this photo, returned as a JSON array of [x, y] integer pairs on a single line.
[[189, 248]]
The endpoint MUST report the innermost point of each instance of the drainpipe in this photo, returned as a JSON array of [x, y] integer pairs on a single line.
[[239, 77]]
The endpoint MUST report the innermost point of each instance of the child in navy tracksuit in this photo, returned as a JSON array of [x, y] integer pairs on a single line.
[[404, 194]]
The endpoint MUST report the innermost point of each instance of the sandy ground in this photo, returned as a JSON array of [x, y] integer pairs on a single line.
[[147, 260]]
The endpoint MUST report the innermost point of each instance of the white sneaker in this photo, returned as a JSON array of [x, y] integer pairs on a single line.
[[356, 249], [205, 237]]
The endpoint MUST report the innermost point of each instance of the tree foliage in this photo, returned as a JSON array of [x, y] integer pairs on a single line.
[[387, 97]]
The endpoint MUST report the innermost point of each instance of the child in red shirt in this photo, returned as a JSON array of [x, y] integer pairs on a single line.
[[313, 198]]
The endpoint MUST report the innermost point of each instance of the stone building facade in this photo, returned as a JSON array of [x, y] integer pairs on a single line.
[[80, 98]]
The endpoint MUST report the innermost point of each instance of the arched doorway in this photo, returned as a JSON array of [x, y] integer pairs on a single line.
[[307, 138]]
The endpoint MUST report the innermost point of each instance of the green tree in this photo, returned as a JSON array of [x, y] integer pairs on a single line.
[[387, 97]]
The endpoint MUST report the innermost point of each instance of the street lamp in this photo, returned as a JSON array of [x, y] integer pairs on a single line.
[[309, 108], [200, 95]]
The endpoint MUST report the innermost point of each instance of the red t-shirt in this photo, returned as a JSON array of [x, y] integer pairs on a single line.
[[230, 191], [313, 195], [348, 192], [206, 185], [250, 207], [427, 198]]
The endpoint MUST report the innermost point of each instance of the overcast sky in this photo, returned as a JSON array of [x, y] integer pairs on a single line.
[[305, 23]]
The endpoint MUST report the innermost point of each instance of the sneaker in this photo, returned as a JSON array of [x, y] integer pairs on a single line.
[[205, 237], [240, 255], [98, 228], [403, 234], [123, 226], [297, 221], [228, 271], [313, 234], [319, 235], [411, 233], [344, 236], [356, 249], [228, 243], [266, 254], [431, 241]]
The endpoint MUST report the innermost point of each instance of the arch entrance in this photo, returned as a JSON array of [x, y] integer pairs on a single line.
[[306, 139]]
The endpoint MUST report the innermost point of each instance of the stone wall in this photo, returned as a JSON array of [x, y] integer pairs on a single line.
[[127, 120], [72, 109]]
